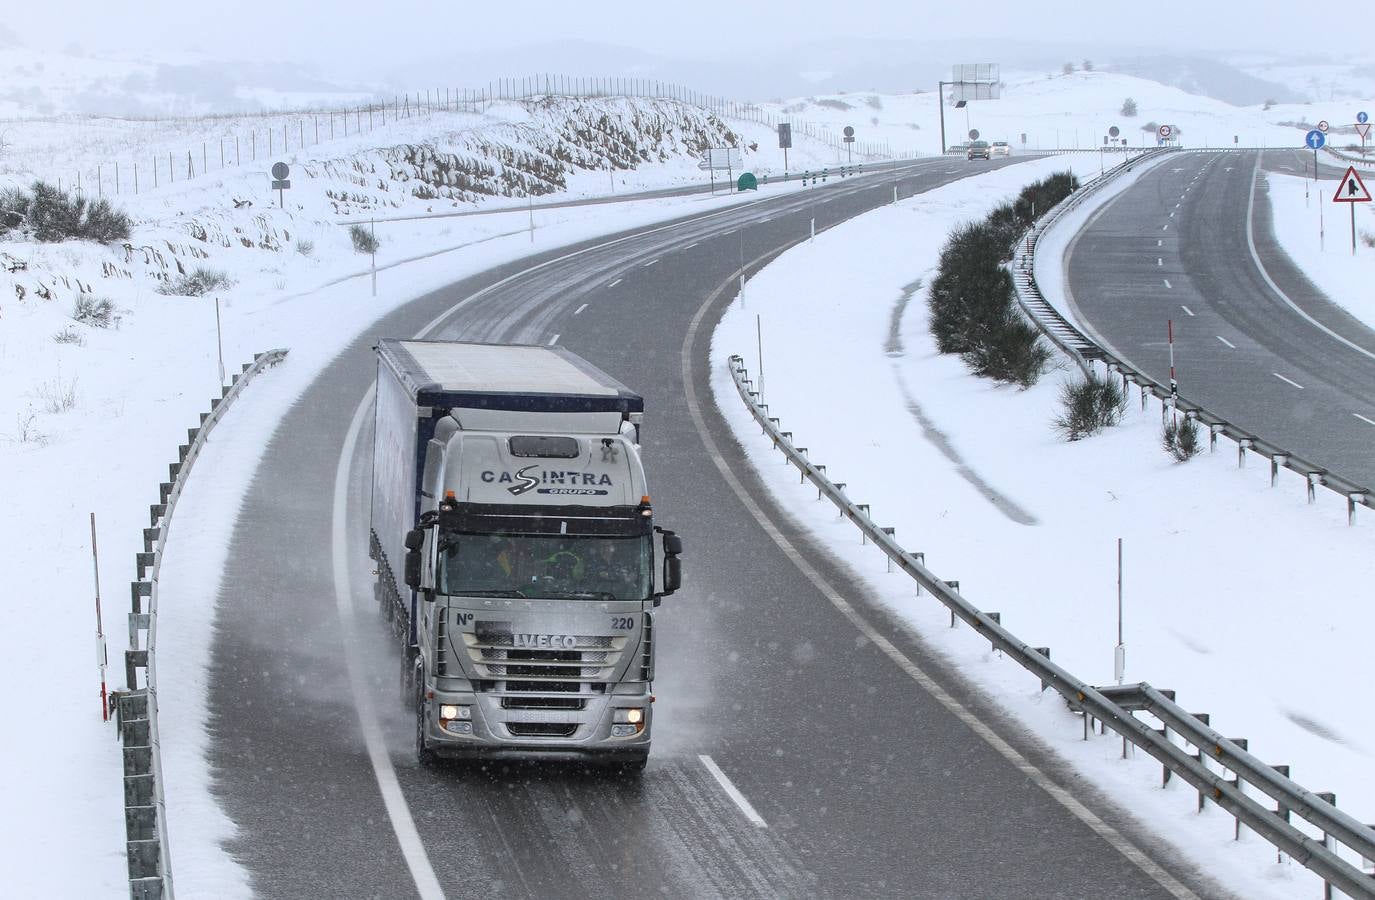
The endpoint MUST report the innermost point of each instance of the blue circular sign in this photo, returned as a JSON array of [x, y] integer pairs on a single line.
[[1362, 118], [1315, 139]]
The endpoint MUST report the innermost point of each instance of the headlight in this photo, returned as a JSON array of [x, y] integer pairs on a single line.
[[631, 716], [452, 711]]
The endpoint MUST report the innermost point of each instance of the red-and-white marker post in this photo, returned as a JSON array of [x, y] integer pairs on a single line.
[[1174, 385], [1352, 190]]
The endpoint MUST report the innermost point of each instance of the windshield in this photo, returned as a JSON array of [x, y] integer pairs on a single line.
[[550, 566]]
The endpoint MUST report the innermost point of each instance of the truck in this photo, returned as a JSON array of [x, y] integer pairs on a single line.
[[515, 552]]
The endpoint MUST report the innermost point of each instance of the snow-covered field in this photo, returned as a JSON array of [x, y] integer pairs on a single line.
[[1245, 599], [1074, 111]]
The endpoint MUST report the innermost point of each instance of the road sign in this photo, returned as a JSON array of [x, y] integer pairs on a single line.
[[1023, 137], [973, 134], [1114, 131], [747, 182], [1362, 118], [785, 136], [721, 158], [849, 132], [1351, 189], [280, 182], [1166, 131], [1323, 126], [1315, 139], [1363, 129]]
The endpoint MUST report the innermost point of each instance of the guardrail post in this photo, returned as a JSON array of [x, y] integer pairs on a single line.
[[1143, 396], [1044, 651], [1327, 840], [1213, 431], [863, 536], [1244, 744], [821, 470], [1242, 446], [1314, 479], [1279, 459], [802, 470], [891, 532], [1206, 719], [1351, 500], [954, 586], [920, 557]]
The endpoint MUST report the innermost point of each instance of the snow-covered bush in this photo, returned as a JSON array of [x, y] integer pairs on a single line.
[[1089, 406], [364, 241], [96, 312], [1180, 438], [201, 281], [49, 214]]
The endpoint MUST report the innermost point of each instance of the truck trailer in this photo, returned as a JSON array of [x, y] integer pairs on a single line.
[[515, 551]]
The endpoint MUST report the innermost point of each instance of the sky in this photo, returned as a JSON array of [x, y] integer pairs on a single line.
[[361, 30]]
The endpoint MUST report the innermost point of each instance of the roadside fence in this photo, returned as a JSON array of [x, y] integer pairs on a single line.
[[281, 133]]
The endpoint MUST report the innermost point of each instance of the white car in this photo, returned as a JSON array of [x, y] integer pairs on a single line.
[[1001, 148]]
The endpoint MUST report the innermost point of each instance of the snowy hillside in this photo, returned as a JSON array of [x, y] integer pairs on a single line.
[[1057, 111], [186, 217]]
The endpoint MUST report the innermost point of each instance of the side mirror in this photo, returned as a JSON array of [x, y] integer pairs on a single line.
[[415, 539], [673, 574], [413, 560], [673, 545]]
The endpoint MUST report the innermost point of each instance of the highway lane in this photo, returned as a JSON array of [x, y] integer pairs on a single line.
[[868, 785], [1177, 246]]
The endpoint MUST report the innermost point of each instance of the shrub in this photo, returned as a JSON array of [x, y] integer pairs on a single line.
[[52, 214], [201, 281], [96, 312], [970, 287], [1180, 438], [305, 247], [1012, 352], [1368, 239], [58, 396], [1129, 108], [1068, 68], [70, 335], [364, 241], [1089, 406]]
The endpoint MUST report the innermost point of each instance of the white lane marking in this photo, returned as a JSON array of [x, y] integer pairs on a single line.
[[1186, 309], [554, 340], [1167, 283], [766, 219], [1251, 243], [580, 309], [393, 800], [690, 246], [1227, 342], [1159, 242], [1159, 261], [1287, 380], [650, 263], [1364, 419], [1164, 227], [1172, 215], [732, 791], [614, 283], [1177, 205], [1071, 803]]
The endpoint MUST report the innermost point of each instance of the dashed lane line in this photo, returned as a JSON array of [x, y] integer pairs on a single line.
[[732, 791], [579, 309], [1227, 342], [1289, 381]]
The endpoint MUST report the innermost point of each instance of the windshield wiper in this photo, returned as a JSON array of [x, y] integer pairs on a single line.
[[464, 592], [589, 595]]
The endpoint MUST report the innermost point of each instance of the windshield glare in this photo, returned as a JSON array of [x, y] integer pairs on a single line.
[[550, 566]]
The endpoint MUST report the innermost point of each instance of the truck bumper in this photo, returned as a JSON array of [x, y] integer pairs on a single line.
[[495, 731]]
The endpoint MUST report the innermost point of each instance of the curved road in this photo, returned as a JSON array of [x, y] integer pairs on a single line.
[[1255, 342], [866, 783]]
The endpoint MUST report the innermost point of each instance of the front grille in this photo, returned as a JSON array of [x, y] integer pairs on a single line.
[[575, 703], [592, 659], [541, 729]]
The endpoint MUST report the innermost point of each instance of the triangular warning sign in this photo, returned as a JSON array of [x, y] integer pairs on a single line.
[[1363, 129], [1351, 189]]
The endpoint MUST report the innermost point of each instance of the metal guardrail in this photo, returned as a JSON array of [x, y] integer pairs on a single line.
[[1115, 707], [1084, 351], [145, 808]]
